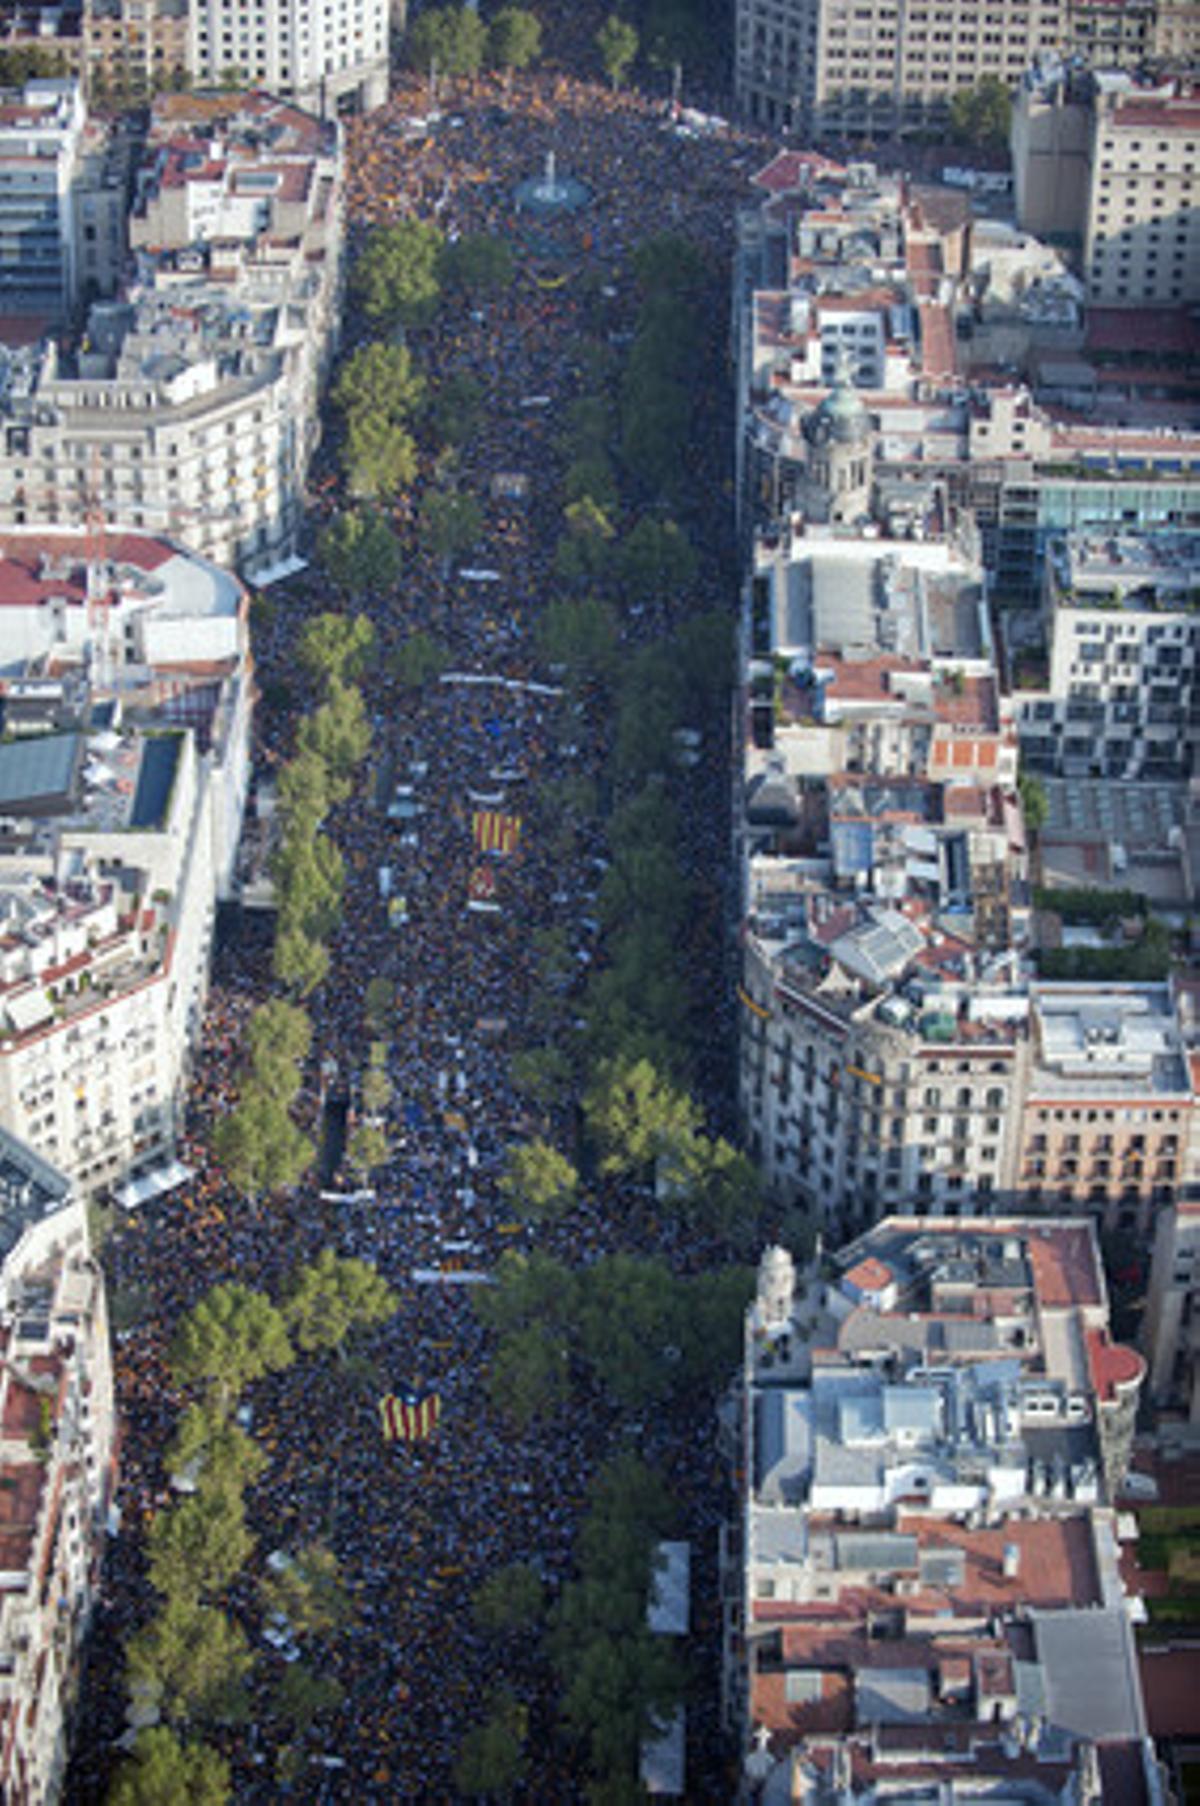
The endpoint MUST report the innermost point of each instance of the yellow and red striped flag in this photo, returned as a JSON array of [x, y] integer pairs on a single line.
[[409, 1419], [494, 832]]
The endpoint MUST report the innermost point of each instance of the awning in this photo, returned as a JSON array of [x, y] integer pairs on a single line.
[[154, 1184], [275, 573]]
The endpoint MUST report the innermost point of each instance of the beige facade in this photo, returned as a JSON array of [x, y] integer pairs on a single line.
[[1110, 1109], [135, 47], [871, 66], [1109, 169], [1142, 232]]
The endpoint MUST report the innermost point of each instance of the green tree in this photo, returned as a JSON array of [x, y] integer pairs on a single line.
[[584, 553], [192, 1659], [705, 647], [591, 476], [456, 409], [304, 793], [543, 1075], [529, 1375], [668, 263], [451, 523], [302, 1695], [309, 1592], [656, 560], [449, 39], [257, 1143], [376, 1091], [164, 1772], [540, 1181], [332, 1295], [368, 1148], [231, 1338], [511, 1599], [641, 886], [310, 879], [491, 1761], [301, 964], [338, 732], [380, 378], [360, 552], [637, 1118], [580, 635], [629, 1328], [711, 1317], [630, 1510], [214, 1452], [644, 821], [396, 277], [514, 39], [379, 456], [418, 660], [529, 1288], [722, 1193], [335, 646], [619, 1690], [1035, 804], [617, 42], [980, 116], [278, 1036], [479, 263], [198, 1545]]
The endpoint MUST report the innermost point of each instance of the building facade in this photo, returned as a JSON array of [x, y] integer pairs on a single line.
[[190, 407], [56, 1464], [123, 779], [41, 147], [846, 68], [326, 58]]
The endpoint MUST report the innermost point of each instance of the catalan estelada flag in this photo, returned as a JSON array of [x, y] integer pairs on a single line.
[[494, 832], [409, 1419]]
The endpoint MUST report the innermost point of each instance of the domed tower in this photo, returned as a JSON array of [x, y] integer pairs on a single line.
[[840, 463]]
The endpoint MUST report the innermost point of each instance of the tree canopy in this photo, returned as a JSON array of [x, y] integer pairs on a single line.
[[231, 1338], [451, 40], [514, 38], [192, 1659], [360, 552], [539, 1180], [617, 42], [396, 276], [380, 378], [332, 1295], [162, 1771]]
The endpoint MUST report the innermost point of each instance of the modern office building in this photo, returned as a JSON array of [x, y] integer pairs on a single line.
[[1123, 641], [925, 1448], [41, 146], [327, 58], [56, 1463]]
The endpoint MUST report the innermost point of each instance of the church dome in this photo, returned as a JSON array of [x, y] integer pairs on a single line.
[[842, 417]]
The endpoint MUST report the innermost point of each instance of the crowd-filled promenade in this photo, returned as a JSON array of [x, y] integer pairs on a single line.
[[417, 1527]]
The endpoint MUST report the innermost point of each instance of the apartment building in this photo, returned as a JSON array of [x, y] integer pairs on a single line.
[[134, 48], [869, 67], [924, 1448], [190, 407], [328, 58], [1106, 164], [56, 1463], [1109, 1115], [41, 146], [127, 700], [1171, 1327], [1123, 640]]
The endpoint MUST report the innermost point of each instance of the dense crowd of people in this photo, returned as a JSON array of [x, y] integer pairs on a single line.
[[416, 1527]]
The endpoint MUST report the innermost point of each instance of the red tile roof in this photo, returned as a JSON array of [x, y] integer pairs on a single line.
[[1113, 1365]]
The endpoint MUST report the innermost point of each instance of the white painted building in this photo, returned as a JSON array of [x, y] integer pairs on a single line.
[[322, 56], [127, 700], [41, 145], [56, 1463]]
